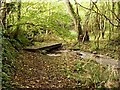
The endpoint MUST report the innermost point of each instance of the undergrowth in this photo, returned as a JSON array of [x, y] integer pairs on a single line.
[[10, 49], [89, 74]]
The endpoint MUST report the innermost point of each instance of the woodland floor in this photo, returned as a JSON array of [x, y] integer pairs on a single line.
[[36, 70]]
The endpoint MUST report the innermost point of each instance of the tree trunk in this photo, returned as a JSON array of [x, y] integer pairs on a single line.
[[102, 21], [119, 17], [78, 25], [86, 22], [113, 10], [109, 15], [18, 19], [76, 18], [0, 13], [0, 25], [97, 26], [4, 15]]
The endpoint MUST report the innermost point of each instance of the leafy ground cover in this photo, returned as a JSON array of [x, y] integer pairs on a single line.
[[41, 71], [25, 23], [65, 71]]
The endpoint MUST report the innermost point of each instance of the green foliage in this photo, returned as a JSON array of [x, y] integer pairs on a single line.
[[11, 7], [7, 51], [115, 41], [8, 54], [91, 75], [10, 49], [39, 18], [46, 16], [5, 81], [23, 40]]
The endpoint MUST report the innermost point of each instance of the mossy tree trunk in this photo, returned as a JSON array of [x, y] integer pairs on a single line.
[[76, 18], [4, 15], [18, 19]]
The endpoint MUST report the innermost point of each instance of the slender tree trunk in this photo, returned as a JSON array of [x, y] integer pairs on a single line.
[[119, 17], [119, 36], [0, 13], [109, 15], [18, 19], [85, 27], [113, 10], [102, 21], [0, 25], [97, 25], [76, 18], [78, 25], [4, 15], [0, 46]]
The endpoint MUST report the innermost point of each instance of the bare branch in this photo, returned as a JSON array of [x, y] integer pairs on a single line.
[[117, 18], [101, 15]]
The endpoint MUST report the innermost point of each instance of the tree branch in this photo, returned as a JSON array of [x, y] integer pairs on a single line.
[[101, 15], [24, 24], [117, 18]]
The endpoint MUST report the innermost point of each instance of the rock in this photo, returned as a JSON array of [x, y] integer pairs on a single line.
[[94, 52], [55, 55]]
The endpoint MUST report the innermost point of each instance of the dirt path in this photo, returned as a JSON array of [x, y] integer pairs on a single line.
[[42, 71]]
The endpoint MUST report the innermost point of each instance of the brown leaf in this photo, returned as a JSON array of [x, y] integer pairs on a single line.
[[32, 82], [37, 81]]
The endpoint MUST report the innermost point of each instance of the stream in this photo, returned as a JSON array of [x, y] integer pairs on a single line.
[[38, 70], [101, 59]]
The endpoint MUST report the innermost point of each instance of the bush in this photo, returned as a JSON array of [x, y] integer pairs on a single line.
[[9, 52]]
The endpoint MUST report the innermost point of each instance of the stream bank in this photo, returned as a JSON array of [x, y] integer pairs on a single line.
[[60, 69]]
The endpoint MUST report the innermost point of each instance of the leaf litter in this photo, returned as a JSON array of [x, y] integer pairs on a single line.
[[42, 71]]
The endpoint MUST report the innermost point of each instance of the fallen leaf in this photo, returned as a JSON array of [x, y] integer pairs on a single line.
[[37, 81]]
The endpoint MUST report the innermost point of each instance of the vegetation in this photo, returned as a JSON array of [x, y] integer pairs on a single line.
[[87, 26]]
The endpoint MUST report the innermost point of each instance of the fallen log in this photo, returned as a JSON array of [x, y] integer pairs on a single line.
[[48, 46]]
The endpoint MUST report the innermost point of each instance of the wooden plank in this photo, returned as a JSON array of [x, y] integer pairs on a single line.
[[47, 46]]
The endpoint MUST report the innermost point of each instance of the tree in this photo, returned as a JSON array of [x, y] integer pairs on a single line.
[[119, 15], [4, 15], [18, 19], [86, 22], [76, 18], [113, 10], [0, 13]]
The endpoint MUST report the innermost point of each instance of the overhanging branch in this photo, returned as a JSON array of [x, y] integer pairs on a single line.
[[101, 15], [26, 23]]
